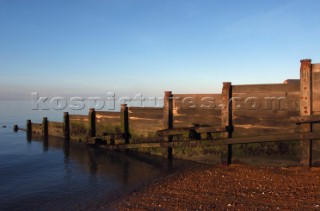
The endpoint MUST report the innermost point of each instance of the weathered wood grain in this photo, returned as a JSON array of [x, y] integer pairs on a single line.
[[266, 88], [143, 120], [306, 119], [56, 129], [306, 110], [80, 118], [316, 89]]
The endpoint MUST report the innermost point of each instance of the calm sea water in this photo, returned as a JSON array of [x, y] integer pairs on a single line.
[[55, 175]]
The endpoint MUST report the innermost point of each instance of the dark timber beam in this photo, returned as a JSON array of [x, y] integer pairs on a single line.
[[226, 117]]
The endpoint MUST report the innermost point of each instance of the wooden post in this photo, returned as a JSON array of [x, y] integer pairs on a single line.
[[168, 110], [45, 127], [29, 130], [226, 117], [29, 126], [168, 118], [306, 110], [66, 125], [92, 122], [15, 128], [124, 114]]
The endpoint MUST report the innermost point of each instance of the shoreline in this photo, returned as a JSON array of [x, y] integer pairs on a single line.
[[234, 187]]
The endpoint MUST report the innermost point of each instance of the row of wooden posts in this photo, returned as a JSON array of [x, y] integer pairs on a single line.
[[226, 117], [305, 136], [91, 123], [124, 120]]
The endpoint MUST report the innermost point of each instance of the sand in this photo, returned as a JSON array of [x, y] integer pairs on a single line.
[[235, 187]]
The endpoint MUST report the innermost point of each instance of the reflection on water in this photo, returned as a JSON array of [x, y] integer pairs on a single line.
[[57, 174], [45, 145]]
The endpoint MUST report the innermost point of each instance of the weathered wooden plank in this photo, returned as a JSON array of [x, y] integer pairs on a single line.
[[56, 129], [266, 101], [183, 115], [306, 119], [56, 124], [268, 95], [142, 128], [315, 76], [146, 117], [145, 109], [106, 121], [191, 120], [197, 111], [132, 146], [145, 121], [315, 127], [265, 88], [261, 95], [196, 101], [264, 122], [176, 131], [176, 96], [145, 125], [292, 81], [152, 113], [82, 118], [315, 88], [187, 121], [111, 121], [36, 128], [316, 68], [179, 131], [266, 114], [257, 131], [221, 142], [186, 101], [106, 114], [217, 128], [102, 122]]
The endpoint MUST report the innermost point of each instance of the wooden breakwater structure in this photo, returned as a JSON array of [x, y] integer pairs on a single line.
[[240, 114]]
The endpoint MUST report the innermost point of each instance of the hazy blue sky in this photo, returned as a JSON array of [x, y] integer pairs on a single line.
[[90, 47]]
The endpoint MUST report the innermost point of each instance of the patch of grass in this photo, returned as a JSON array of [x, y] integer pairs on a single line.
[[150, 137], [269, 148]]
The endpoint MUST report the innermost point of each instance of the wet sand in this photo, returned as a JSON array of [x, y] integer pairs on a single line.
[[229, 188]]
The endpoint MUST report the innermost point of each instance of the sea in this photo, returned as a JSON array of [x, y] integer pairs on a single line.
[[60, 175]]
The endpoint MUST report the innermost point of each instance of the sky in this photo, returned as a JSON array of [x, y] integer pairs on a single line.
[[92, 47]]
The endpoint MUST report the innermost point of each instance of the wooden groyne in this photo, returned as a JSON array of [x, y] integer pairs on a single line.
[[240, 114]]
